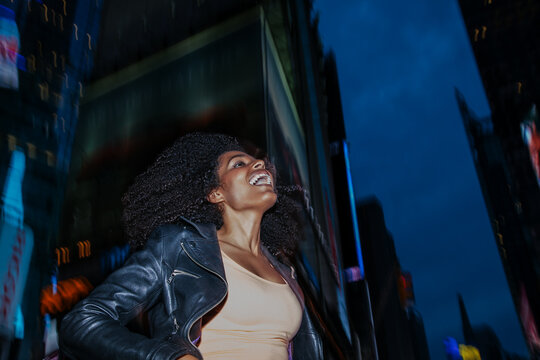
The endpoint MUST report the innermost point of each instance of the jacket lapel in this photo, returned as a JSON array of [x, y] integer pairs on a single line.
[[204, 250]]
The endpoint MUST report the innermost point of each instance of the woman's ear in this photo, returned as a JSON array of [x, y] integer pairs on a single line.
[[214, 197]]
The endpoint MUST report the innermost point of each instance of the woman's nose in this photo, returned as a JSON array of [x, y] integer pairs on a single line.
[[259, 164]]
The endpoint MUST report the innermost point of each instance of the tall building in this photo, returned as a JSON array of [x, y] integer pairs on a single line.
[[252, 69], [51, 44], [504, 37], [359, 303], [399, 329], [482, 339]]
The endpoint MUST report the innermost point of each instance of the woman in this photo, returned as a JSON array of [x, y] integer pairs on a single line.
[[210, 221]]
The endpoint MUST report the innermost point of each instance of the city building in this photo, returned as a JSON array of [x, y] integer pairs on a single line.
[[497, 180], [46, 55], [481, 342], [399, 329], [504, 36]]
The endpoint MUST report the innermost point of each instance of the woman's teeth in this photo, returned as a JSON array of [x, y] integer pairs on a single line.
[[260, 179]]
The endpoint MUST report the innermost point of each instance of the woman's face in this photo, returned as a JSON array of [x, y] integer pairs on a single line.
[[245, 183]]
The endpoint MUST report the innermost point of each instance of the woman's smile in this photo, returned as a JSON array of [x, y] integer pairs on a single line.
[[261, 178]]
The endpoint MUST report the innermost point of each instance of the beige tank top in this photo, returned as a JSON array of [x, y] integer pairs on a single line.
[[258, 319]]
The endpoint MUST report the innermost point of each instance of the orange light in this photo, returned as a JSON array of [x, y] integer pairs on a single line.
[[81, 251], [45, 15], [57, 256], [87, 249], [68, 293]]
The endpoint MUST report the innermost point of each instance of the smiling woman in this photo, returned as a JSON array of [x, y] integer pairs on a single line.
[[214, 232]]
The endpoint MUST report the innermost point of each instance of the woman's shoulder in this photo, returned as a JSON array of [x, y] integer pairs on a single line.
[[183, 228]]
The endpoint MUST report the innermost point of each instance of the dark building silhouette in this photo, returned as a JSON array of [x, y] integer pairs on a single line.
[[399, 328], [504, 37], [498, 182], [483, 337]]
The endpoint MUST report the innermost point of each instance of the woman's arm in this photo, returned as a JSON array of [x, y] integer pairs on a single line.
[[95, 328]]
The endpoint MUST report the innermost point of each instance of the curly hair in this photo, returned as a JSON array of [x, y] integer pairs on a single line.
[[177, 183]]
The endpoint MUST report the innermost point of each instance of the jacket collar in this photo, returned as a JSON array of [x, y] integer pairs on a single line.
[[206, 252], [207, 231], [203, 249]]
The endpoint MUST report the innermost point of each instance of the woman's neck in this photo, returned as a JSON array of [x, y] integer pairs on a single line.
[[242, 231]]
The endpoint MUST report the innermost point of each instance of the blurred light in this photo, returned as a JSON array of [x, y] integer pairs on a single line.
[[51, 160], [44, 91], [54, 283], [76, 31], [353, 209], [114, 258], [12, 207], [21, 62], [353, 274], [452, 349], [469, 352], [69, 293], [19, 323], [62, 256], [31, 150], [84, 248], [12, 142], [45, 15]]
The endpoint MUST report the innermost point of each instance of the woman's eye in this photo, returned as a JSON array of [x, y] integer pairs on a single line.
[[239, 164]]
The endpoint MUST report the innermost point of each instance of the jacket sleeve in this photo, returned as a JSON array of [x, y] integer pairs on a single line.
[[95, 328]]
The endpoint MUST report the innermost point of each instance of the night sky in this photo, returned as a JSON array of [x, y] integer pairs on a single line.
[[398, 64]]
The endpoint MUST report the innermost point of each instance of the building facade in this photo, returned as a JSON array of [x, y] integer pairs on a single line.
[[398, 325], [504, 38], [50, 47]]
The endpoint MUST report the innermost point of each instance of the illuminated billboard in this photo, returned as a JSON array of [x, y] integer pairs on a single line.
[[531, 137], [9, 48]]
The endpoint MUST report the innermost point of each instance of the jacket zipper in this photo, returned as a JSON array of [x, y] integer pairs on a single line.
[[180, 272], [192, 321]]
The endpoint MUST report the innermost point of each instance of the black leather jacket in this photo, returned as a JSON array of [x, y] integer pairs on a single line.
[[176, 279]]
